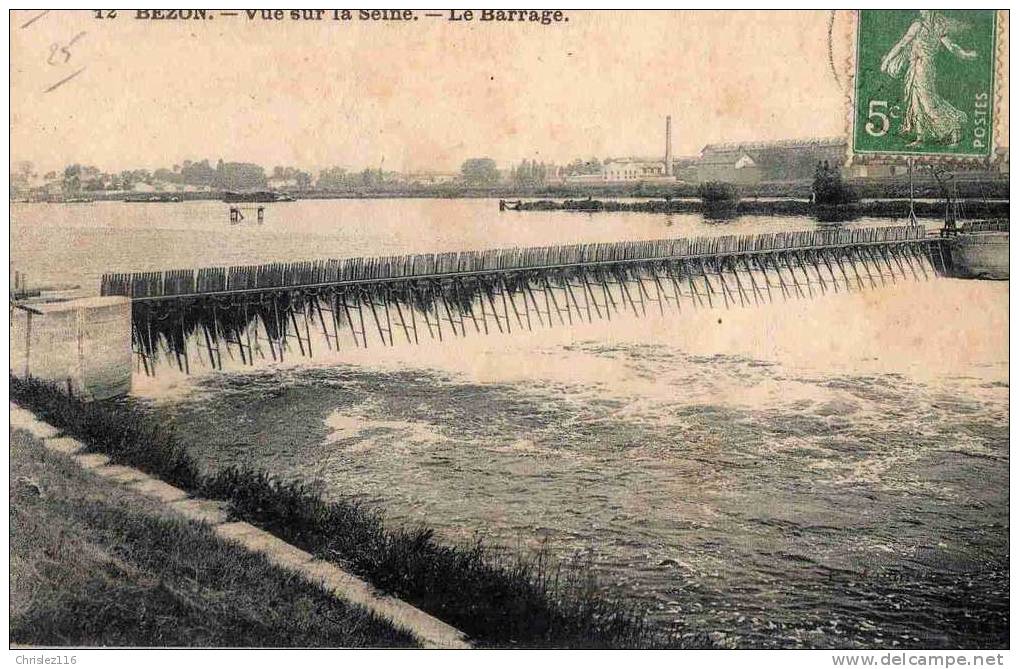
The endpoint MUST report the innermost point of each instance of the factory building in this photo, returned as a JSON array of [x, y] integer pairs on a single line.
[[783, 160], [652, 170]]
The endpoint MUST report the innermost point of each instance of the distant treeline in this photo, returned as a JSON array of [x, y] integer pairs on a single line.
[[356, 185], [993, 188]]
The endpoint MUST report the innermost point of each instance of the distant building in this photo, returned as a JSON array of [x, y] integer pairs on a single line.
[[684, 168], [633, 169], [636, 168], [874, 169], [281, 183], [783, 160], [584, 179], [429, 178]]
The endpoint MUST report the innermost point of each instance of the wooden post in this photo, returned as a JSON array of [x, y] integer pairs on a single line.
[[506, 291], [803, 269], [28, 343], [184, 343], [555, 303], [758, 295], [403, 323], [709, 289], [834, 281], [375, 315], [911, 251], [739, 284], [726, 293], [764, 273], [659, 291], [606, 293], [491, 302], [573, 297], [458, 288], [695, 294], [505, 304], [786, 294], [307, 330], [866, 268]]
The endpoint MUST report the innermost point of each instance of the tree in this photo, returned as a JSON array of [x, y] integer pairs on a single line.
[[530, 173], [330, 178], [479, 172], [717, 193], [592, 166], [239, 176], [829, 188], [163, 174], [197, 174], [21, 175], [72, 178]]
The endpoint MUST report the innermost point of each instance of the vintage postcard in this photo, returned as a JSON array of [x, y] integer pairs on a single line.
[[510, 329]]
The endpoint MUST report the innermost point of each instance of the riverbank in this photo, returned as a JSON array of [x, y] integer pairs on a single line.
[[968, 185], [96, 564], [498, 600]]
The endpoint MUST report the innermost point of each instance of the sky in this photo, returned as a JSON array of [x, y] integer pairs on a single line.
[[416, 95]]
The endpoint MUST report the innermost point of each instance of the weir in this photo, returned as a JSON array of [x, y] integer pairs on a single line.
[[269, 311]]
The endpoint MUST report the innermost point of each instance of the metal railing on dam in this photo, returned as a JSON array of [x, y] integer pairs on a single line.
[[254, 309]]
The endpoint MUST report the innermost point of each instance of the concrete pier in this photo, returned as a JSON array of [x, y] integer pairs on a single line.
[[83, 345], [981, 255]]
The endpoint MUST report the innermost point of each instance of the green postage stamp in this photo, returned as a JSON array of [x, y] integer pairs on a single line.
[[925, 83]]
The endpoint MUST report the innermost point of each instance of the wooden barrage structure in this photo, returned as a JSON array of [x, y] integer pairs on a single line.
[[270, 311]]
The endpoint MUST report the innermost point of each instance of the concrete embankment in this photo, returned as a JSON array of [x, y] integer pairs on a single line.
[[83, 345], [94, 563]]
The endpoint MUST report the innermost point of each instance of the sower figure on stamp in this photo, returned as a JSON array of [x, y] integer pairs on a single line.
[[927, 115]]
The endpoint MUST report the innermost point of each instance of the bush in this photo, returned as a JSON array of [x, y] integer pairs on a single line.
[[718, 192], [830, 189]]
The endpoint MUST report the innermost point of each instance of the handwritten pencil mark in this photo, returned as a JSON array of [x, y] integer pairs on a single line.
[[65, 80], [65, 49], [35, 18]]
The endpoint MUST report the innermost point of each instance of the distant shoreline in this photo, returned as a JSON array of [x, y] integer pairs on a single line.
[[967, 187]]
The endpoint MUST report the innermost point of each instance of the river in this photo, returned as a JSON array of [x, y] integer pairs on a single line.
[[818, 473]]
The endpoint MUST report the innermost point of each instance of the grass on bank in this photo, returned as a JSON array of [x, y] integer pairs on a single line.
[[95, 564], [497, 600]]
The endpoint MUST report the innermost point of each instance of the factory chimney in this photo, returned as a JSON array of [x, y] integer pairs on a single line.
[[668, 146]]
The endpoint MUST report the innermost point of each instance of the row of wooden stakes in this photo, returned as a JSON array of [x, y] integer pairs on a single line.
[[141, 285], [273, 325]]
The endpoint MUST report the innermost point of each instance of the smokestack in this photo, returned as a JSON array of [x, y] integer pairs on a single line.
[[668, 146]]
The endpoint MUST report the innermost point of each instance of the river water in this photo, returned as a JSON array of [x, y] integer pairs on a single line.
[[818, 473]]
